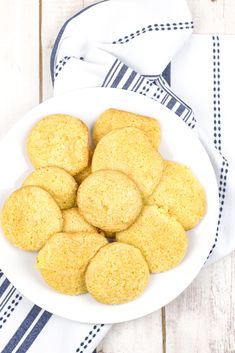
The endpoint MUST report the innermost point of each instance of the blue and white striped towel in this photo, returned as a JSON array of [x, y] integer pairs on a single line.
[[128, 44]]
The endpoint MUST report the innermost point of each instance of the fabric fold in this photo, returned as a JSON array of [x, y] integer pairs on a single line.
[[144, 47], [143, 34]]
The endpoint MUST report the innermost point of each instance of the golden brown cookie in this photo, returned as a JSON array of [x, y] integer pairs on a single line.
[[29, 217], [114, 119], [181, 194], [129, 151], [160, 238], [59, 140], [117, 274], [109, 200], [64, 259], [60, 184], [74, 222]]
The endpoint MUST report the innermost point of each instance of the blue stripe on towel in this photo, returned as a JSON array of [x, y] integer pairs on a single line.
[[140, 83], [4, 286], [7, 298], [157, 89], [130, 80], [33, 334], [218, 133], [119, 76], [137, 83], [180, 110], [20, 332], [171, 103], [183, 107], [108, 76]]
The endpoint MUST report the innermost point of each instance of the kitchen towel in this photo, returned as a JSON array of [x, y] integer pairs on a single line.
[[158, 57], [128, 44], [202, 82]]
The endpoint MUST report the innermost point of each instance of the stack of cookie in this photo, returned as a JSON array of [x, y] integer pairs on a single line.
[[102, 218]]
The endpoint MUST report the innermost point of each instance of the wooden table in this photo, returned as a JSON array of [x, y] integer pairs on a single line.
[[202, 319]]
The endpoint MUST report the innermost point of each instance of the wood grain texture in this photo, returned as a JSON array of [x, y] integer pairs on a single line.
[[202, 319], [19, 88], [53, 13], [213, 16], [137, 336]]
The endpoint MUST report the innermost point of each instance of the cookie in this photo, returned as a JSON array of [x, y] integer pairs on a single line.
[[109, 200], [129, 151], [59, 140], [85, 172], [114, 119], [60, 184], [181, 194], [29, 217], [117, 274], [160, 238], [74, 222], [64, 259]]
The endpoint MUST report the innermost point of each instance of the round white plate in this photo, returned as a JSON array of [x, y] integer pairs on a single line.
[[178, 143]]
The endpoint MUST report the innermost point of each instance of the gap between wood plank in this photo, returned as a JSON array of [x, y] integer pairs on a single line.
[[163, 312], [40, 52]]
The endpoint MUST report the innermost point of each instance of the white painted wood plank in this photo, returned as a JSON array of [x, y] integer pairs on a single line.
[[54, 14], [138, 336], [229, 15], [19, 88], [213, 16], [202, 318]]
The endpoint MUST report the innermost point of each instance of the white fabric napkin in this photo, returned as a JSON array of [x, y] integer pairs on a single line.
[[144, 34], [203, 74], [127, 44]]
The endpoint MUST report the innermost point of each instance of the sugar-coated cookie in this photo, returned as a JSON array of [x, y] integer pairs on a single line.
[[64, 259], [114, 119], [129, 151], [117, 274], [59, 140], [29, 217], [60, 184], [160, 238], [181, 194], [109, 200]]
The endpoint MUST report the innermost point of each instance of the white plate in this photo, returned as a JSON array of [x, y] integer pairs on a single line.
[[178, 143]]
